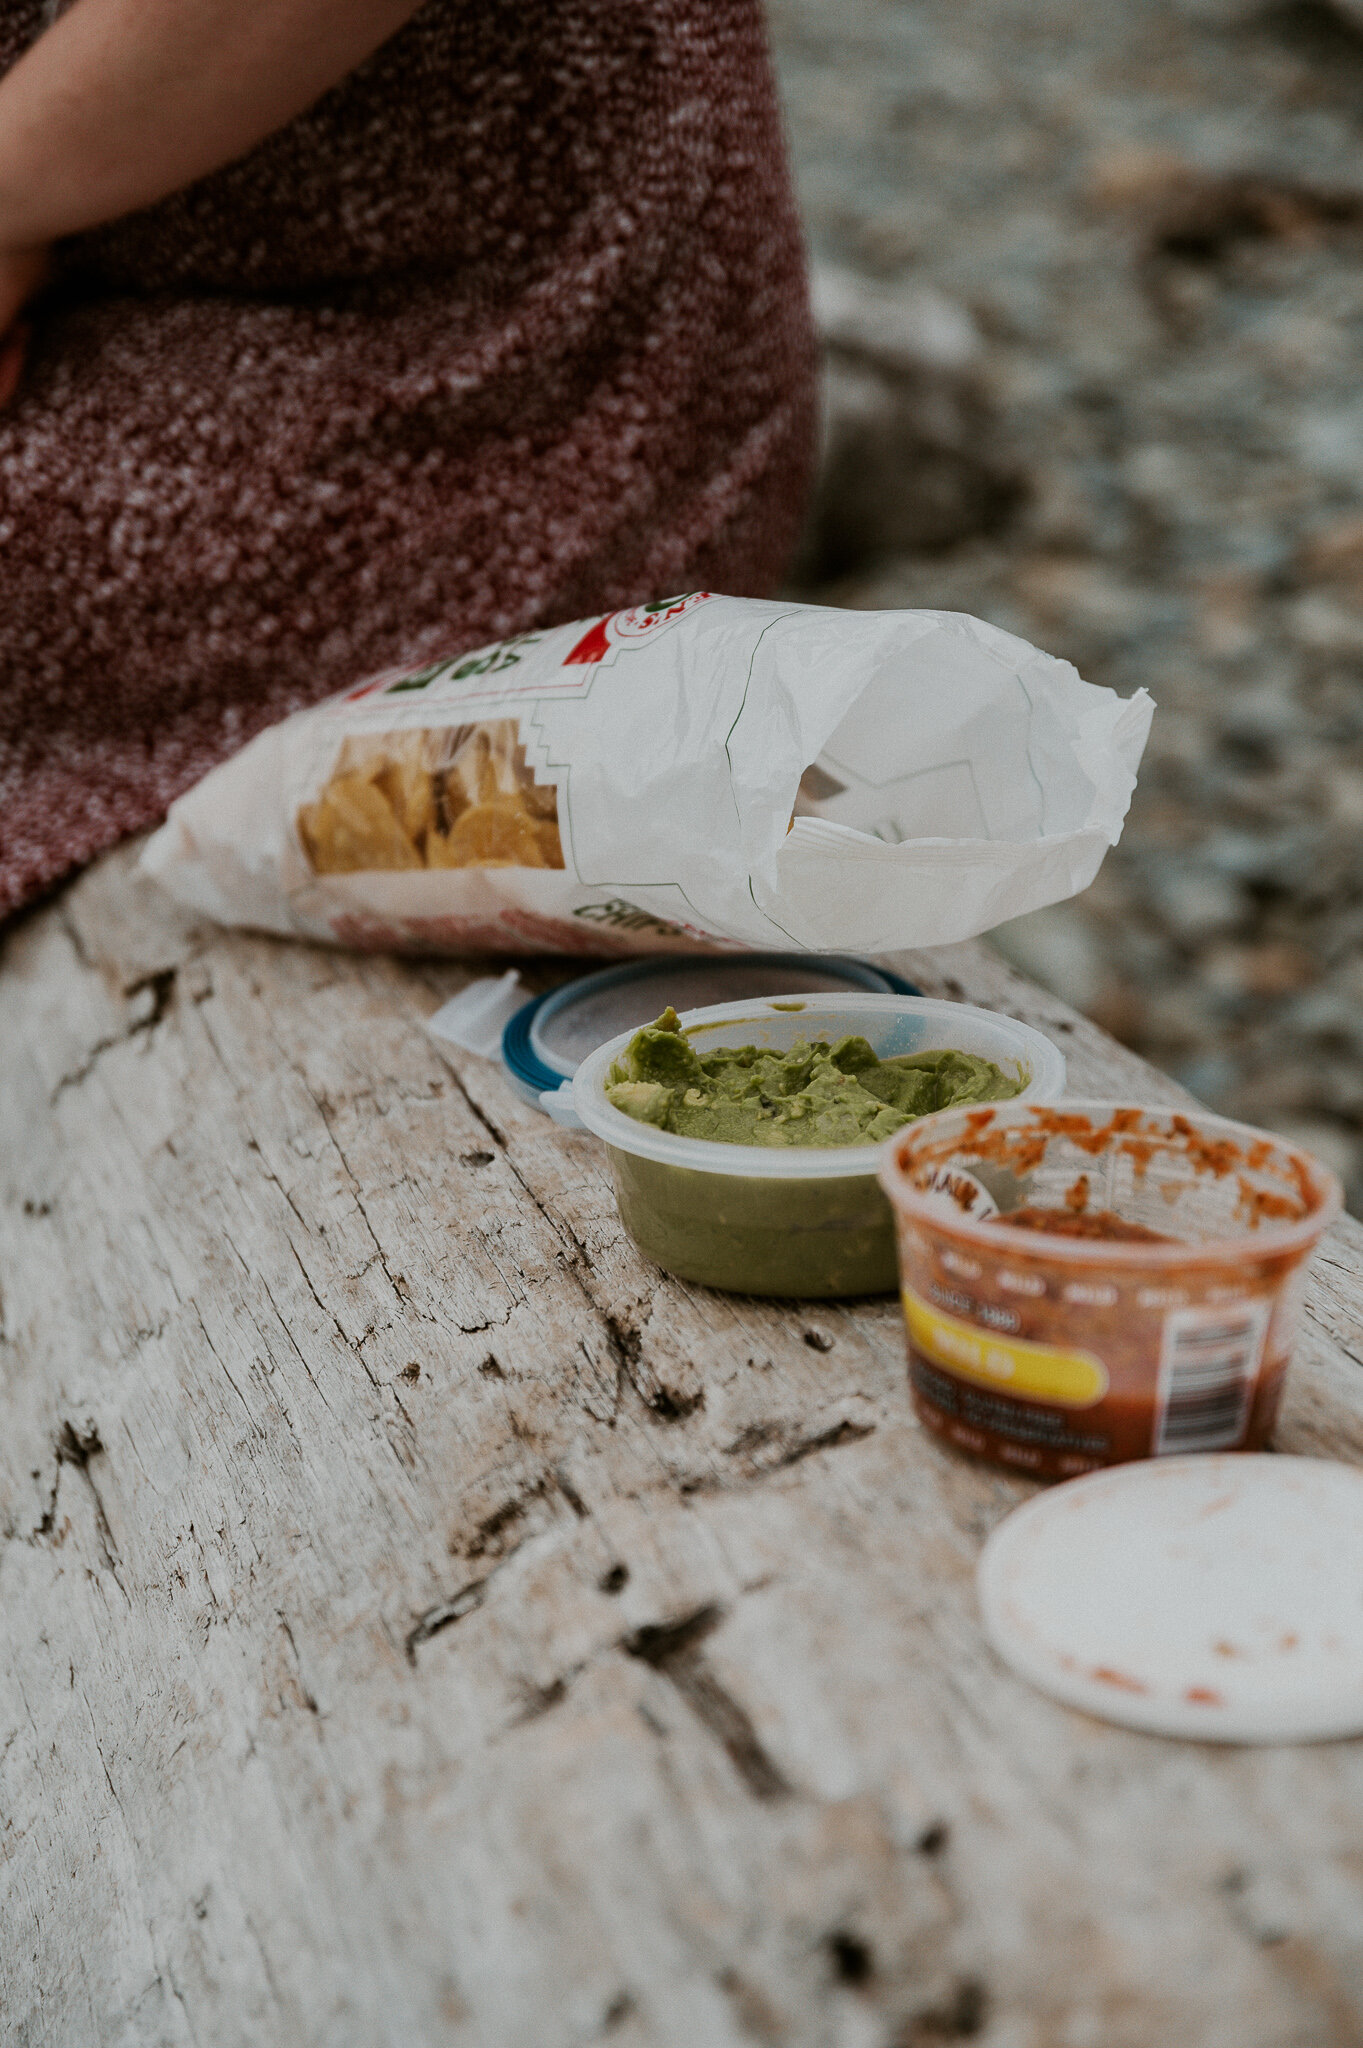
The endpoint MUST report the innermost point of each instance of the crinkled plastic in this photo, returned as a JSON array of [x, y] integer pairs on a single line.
[[702, 771]]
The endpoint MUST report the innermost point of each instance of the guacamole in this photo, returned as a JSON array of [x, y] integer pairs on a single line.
[[812, 1094]]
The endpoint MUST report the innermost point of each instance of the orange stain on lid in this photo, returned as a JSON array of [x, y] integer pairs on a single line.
[[1123, 1680]]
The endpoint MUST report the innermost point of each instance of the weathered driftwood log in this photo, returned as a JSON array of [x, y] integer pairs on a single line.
[[424, 1623]]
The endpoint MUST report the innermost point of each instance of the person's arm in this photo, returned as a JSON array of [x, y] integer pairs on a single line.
[[121, 102]]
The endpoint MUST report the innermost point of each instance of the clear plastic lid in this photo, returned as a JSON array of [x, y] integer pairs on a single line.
[[575, 1020]]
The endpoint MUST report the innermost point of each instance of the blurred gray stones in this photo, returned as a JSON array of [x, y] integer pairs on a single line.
[[1090, 283], [912, 457]]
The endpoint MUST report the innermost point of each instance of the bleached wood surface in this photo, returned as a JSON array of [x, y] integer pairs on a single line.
[[422, 1623]]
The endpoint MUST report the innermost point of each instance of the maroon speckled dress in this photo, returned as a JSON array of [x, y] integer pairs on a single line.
[[509, 328]]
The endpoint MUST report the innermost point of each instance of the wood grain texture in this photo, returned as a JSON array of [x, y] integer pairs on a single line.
[[425, 1623]]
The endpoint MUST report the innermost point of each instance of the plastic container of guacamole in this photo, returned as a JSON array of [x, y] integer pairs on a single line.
[[803, 1222]]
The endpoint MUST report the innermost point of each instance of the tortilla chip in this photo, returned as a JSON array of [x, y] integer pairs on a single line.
[[351, 828], [541, 800], [495, 835], [402, 765], [452, 797], [410, 790], [551, 846], [470, 777]]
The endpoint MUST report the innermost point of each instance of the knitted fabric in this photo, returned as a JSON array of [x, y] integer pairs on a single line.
[[509, 328]]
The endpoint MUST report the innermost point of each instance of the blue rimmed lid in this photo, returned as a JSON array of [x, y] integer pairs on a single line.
[[546, 1040]]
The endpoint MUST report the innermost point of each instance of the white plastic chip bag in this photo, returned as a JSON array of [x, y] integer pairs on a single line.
[[704, 771]]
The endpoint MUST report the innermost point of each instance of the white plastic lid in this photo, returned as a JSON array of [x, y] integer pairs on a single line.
[[1217, 1597]]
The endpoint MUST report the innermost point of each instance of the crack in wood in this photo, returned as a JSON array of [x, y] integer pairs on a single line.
[[305, 1690], [488, 1533], [445, 1614], [765, 1448], [662, 1399], [486, 1323], [487, 1538], [666, 1402], [160, 986], [624, 1341], [76, 1445], [255, 1427], [571, 1495], [542, 1699], [772, 1446], [669, 1404], [74, 934], [292, 1341], [672, 1648], [178, 1995], [329, 1314], [959, 2017], [324, 1109], [618, 2011], [497, 1136], [755, 2013], [604, 1388]]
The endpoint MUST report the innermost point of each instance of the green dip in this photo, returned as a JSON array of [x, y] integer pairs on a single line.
[[812, 1094]]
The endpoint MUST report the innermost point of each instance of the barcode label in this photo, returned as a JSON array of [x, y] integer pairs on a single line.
[[1207, 1372]]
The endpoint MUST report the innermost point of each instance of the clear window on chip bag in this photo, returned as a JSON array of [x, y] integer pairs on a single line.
[[457, 797]]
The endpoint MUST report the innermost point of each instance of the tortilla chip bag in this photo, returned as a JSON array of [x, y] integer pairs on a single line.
[[701, 772]]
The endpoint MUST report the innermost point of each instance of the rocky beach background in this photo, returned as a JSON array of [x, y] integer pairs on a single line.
[[1090, 280]]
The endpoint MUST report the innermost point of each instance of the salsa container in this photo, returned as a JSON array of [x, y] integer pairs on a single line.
[[1057, 1355], [799, 1222]]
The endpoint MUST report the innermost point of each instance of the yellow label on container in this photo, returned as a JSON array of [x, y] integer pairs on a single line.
[[1036, 1372]]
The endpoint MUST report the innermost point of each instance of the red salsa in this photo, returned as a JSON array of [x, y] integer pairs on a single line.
[[1096, 1223]]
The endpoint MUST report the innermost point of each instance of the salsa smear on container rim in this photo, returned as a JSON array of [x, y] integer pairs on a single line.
[[1095, 1224]]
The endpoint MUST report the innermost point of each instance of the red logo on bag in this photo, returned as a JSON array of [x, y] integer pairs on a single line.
[[639, 622]]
